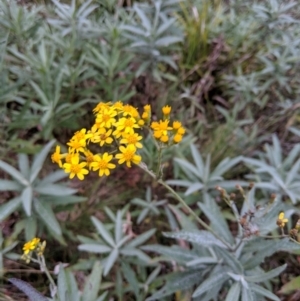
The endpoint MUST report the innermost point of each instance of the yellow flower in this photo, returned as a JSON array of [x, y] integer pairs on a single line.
[[75, 168], [166, 110], [281, 221], [176, 125], [103, 136], [177, 138], [118, 105], [81, 135], [141, 122], [147, 108], [126, 125], [30, 245], [101, 105], [56, 156], [162, 125], [106, 118], [164, 138], [102, 163], [77, 145], [128, 155], [132, 139], [181, 131], [130, 110], [89, 157]]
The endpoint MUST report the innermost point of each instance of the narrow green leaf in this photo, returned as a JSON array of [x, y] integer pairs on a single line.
[[264, 292], [111, 259], [167, 40], [187, 166], [118, 227], [198, 159], [94, 248], [39, 160], [217, 220], [145, 21], [28, 290], [140, 239], [103, 231], [46, 214], [247, 295], [23, 165], [213, 280], [62, 288], [178, 281], [54, 177], [7, 185], [193, 188], [40, 93], [92, 285], [14, 173], [26, 198], [173, 253], [130, 276], [234, 292], [266, 276], [202, 238], [55, 189]]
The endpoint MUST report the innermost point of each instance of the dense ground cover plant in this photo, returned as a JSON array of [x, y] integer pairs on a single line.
[[149, 222]]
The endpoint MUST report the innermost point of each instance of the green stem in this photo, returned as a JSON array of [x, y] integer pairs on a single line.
[[159, 163], [45, 269]]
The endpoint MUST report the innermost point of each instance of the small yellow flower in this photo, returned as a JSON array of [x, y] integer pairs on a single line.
[[102, 163], [164, 138], [106, 118], [128, 155], [177, 138], [127, 125], [103, 136], [77, 145], [132, 139], [118, 105], [166, 110], [101, 106], [129, 110], [30, 245], [176, 125], [281, 221], [181, 131], [57, 156], [75, 168], [147, 108], [89, 157]]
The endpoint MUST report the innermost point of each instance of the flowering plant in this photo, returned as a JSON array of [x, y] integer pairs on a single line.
[[117, 132]]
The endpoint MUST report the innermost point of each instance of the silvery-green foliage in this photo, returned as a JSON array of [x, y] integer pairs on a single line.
[[150, 206], [73, 18], [152, 31], [5, 252], [198, 176], [274, 61], [67, 287], [275, 172], [118, 245], [36, 195], [205, 266]]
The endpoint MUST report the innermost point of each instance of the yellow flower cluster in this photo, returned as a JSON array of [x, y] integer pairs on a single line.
[[117, 132], [33, 245], [166, 133]]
